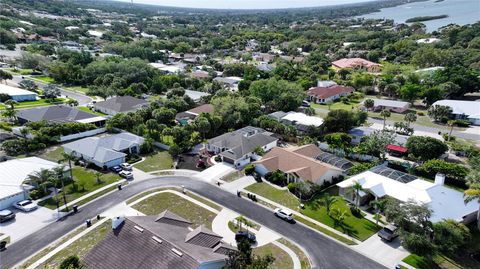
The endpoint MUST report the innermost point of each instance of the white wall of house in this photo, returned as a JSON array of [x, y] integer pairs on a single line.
[[325, 100], [260, 169], [111, 163], [6, 202], [269, 146], [329, 175]]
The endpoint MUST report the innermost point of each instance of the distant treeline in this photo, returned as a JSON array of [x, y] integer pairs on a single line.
[[426, 18]]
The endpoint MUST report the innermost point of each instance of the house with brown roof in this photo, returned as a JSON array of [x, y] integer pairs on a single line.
[[299, 164], [323, 95], [356, 63], [188, 116], [162, 242]]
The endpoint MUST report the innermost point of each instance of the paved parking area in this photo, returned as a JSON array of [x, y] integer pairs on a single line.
[[387, 253], [26, 223]]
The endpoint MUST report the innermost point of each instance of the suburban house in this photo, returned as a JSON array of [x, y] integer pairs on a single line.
[[301, 121], [162, 242], [359, 132], [323, 95], [186, 117], [299, 164], [391, 105], [105, 152], [58, 114], [238, 147], [463, 110], [230, 82], [17, 94], [195, 95], [169, 68], [200, 74], [120, 104], [381, 181], [356, 63], [14, 172]]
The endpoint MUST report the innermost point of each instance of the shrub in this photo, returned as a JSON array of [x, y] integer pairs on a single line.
[[446, 137], [425, 147], [218, 158], [355, 211], [249, 169], [358, 168], [420, 113], [37, 194], [72, 262], [462, 123], [455, 173]]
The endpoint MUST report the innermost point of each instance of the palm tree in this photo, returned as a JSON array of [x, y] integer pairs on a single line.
[[59, 171], [379, 205], [98, 176], [450, 123], [41, 178], [357, 187], [10, 111], [369, 104], [69, 158], [410, 117], [385, 114], [328, 201]]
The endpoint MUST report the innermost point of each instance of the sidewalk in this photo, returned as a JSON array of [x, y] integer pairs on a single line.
[[238, 184], [50, 254]]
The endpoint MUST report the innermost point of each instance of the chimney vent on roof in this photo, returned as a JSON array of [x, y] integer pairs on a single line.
[[117, 222], [439, 179]]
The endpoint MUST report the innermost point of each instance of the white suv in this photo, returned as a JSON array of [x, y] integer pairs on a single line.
[[283, 214], [126, 174]]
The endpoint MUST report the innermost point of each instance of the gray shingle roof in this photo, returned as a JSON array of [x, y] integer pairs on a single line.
[[104, 149], [127, 247], [241, 142], [172, 218], [58, 113], [122, 103], [202, 236]]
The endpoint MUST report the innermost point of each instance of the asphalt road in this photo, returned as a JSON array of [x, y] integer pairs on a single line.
[[82, 99], [324, 252]]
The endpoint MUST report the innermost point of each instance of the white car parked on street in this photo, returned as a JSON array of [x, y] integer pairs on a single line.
[[26, 205], [283, 214]]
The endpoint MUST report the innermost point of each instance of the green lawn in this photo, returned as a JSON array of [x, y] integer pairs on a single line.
[[339, 105], [359, 228], [20, 71], [41, 102], [86, 109], [232, 176], [419, 262], [86, 181], [157, 161], [283, 197], [80, 89], [304, 261], [53, 155], [46, 79], [80, 247], [282, 259], [158, 203]]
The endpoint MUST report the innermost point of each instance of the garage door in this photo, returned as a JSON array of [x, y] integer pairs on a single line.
[[227, 160], [6, 202]]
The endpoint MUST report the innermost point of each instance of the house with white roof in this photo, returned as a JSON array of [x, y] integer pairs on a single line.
[[463, 110], [13, 174], [381, 181], [105, 152], [301, 121], [391, 105], [17, 94]]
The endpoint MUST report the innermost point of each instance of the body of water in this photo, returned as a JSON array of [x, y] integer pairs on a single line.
[[460, 12]]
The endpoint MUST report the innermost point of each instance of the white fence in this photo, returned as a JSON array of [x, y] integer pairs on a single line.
[[82, 134]]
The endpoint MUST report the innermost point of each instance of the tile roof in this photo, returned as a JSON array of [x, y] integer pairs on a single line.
[[290, 160], [326, 92], [58, 113], [122, 103], [154, 245]]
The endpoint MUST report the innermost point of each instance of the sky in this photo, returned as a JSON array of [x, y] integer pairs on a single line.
[[245, 4]]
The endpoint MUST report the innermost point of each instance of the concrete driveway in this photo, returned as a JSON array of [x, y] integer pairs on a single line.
[[215, 172], [387, 253], [26, 223]]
